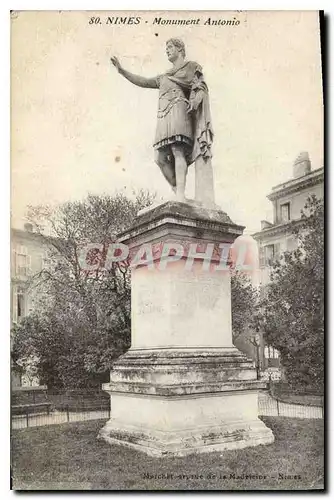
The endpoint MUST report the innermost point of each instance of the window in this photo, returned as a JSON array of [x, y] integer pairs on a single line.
[[261, 256], [22, 261], [271, 357], [285, 212], [46, 261], [270, 352], [19, 306], [277, 250], [271, 253]]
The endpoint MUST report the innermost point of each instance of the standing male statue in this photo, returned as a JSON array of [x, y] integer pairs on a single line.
[[184, 132]]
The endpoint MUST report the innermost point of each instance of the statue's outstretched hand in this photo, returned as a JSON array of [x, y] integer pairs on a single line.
[[116, 62]]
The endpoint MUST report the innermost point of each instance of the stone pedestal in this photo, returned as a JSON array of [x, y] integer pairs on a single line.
[[182, 387]]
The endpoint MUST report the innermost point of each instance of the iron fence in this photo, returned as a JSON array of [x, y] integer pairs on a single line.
[[58, 417], [267, 404], [272, 407]]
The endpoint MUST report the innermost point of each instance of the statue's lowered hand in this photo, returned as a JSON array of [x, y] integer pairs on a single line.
[[190, 107], [194, 101]]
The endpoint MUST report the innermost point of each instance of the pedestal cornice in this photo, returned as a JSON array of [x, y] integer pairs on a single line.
[[193, 219]]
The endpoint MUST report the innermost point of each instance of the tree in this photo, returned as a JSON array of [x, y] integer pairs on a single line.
[[244, 302], [81, 320], [292, 314], [244, 299]]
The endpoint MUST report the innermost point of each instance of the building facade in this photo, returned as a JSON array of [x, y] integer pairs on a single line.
[[288, 201], [28, 257]]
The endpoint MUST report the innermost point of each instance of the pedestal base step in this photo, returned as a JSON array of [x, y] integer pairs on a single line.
[[229, 436]]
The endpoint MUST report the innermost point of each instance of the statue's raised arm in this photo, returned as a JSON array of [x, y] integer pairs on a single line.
[[140, 81], [184, 131]]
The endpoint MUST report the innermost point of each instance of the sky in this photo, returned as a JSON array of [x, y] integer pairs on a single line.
[[77, 126]]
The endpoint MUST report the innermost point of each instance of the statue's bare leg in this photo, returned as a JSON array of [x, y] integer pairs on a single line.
[[181, 168], [166, 164]]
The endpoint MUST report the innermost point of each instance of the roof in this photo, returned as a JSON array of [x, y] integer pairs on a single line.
[[295, 185], [23, 233], [284, 228]]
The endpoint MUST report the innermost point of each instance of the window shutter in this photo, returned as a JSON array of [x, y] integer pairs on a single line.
[[14, 262], [14, 305], [261, 256], [40, 262], [269, 254], [22, 250], [28, 304], [17, 261], [277, 250]]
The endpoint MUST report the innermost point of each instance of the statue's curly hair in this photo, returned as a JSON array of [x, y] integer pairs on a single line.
[[178, 44]]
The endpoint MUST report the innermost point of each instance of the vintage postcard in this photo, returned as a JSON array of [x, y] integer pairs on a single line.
[[167, 250]]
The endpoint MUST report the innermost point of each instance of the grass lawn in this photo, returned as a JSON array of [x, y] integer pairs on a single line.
[[69, 457]]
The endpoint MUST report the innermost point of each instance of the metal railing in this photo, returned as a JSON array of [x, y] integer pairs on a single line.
[[58, 417], [268, 406]]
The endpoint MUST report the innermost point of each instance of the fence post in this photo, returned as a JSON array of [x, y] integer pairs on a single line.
[[277, 401], [68, 413], [27, 419]]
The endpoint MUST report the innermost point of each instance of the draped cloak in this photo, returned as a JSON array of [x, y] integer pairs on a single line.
[[177, 88]]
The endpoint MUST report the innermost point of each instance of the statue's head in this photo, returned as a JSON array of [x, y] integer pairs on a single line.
[[175, 47]]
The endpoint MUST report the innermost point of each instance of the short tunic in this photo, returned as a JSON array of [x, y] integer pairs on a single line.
[[174, 123]]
